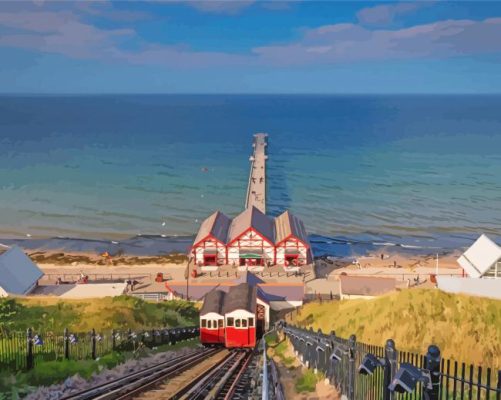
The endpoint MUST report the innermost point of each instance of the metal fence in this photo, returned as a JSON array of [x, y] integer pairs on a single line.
[[22, 351], [361, 371]]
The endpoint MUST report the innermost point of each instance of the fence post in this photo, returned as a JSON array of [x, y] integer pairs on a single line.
[[432, 364], [390, 368], [352, 343], [29, 349], [113, 340], [66, 344], [93, 343]]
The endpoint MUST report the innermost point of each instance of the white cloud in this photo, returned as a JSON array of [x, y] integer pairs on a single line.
[[384, 14]]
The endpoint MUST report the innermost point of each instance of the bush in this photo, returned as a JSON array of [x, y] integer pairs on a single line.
[[307, 382]]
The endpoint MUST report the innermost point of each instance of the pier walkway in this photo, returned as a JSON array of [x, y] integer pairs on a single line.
[[256, 189]]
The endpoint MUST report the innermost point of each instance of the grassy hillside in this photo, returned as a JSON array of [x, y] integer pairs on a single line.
[[53, 314], [465, 328]]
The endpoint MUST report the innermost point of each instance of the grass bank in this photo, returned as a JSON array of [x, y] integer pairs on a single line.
[[16, 386], [53, 314], [465, 328]]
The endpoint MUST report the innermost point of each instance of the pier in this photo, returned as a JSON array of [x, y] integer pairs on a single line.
[[256, 188]]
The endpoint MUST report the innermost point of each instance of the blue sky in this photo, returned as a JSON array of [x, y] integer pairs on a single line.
[[250, 47]]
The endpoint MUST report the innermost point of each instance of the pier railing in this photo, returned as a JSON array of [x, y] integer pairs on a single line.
[[23, 350], [361, 371]]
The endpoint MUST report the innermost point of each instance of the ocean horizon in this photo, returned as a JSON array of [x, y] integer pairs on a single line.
[[411, 170]]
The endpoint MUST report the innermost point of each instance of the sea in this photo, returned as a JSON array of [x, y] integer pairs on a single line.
[[139, 173]]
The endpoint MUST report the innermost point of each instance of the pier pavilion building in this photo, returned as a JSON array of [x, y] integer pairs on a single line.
[[251, 239]]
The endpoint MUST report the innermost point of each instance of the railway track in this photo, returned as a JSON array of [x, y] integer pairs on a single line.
[[216, 374], [128, 386]]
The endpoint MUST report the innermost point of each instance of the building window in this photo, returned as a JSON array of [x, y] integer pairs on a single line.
[[244, 323], [204, 323], [251, 322], [237, 323], [220, 323], [209, 324], [229, 322]]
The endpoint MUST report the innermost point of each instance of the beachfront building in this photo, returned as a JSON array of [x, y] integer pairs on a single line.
[[251, 239], [209, 248], [291, 241], [482, 259], [481, 264], [18, 274]]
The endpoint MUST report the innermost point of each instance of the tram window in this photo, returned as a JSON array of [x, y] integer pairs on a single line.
[[244, 323], [229, 322], [204, 323], [237, 323], [220, 323], [209, 324], [251, 322]]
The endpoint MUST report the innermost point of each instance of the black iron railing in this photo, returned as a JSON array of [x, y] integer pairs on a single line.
[[22, 351], [361, 371]]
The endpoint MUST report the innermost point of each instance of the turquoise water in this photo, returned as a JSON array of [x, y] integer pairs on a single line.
[[118, 166]]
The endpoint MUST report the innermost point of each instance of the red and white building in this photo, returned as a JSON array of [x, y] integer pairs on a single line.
[[212, 318], [251, 239], [209, 248], [292, 247]]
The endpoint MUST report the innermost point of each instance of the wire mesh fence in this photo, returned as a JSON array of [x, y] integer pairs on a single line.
[[23, 350], [362, 371]]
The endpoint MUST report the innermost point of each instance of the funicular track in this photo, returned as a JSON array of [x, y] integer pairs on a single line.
[[205, 374]]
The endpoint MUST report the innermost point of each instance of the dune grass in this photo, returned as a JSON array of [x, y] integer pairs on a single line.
[[466, 328], [54, 314]]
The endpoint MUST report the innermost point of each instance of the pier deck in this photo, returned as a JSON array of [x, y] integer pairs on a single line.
[[256, 189]]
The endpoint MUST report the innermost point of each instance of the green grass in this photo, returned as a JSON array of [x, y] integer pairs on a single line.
[[466, 328], [307, 382], [15, 386], [53, 314]]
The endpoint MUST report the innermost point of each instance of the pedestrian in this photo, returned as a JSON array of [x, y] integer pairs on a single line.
[[382, 256]]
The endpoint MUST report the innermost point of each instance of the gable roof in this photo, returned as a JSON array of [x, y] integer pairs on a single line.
[[240, 297], [248, 277], [481, 255], [251, 218], [287, 224], [366, 285], [216, 225], [18, 273], [213, 302]]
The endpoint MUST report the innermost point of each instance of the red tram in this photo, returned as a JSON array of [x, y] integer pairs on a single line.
[[229, 318], [212, 319]]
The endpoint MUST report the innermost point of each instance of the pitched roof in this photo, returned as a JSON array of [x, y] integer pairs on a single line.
[[287, 224], [251, 218], [366, 285], [291, 292], [240, 297], [248, 277], [213, 302], [18, 273], [481, 255], [217, 225]]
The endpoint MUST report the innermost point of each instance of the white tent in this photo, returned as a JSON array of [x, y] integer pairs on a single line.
[[18, 274], [480, 257]]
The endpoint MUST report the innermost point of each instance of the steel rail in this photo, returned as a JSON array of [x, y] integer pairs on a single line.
[[140, 379]]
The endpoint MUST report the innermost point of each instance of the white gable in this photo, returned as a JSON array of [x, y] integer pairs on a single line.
[[480, 257]]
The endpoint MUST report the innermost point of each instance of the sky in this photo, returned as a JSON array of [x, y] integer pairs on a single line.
[[250, 47]]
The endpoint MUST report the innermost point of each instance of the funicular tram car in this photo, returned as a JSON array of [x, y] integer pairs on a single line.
[[229, 318], [212, 318], [239, 309]]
